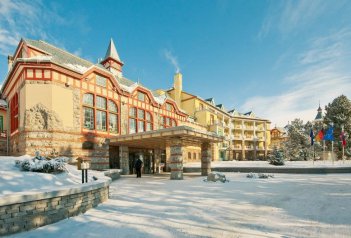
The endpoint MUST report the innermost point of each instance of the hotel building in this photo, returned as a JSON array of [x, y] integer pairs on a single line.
[[57, 103]]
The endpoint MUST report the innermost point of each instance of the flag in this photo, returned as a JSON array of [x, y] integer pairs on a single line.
[[329, 134], [312, 137], [320, 135], [343, 139]]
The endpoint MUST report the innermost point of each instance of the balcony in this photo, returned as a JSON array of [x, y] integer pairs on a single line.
[[237, 147], [237, 126], [249, 147], [249, 128], [249, 137], [259, 128], [238, 137], [259, 148]]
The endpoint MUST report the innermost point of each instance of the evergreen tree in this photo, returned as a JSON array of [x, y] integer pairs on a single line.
[[338, 112], [277, 157]]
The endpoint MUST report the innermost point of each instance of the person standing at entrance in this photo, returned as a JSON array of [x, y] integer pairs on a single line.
[[138, 165]]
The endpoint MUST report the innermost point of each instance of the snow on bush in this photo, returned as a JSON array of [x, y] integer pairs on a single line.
[[42, 165], [259, 175], [277, 157]]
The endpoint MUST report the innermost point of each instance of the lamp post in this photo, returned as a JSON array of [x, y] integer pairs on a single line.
[[84, 164]]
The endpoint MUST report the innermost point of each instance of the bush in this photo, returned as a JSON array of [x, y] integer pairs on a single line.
[[277, 157], [42, 165]]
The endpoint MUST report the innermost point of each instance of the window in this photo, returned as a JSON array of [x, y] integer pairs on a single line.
[[88, 118], [194, 155], [189, 155], [101, 81], [88, 99], [169, 107], [1, 123], [166, 122], [141, 96], [100, 120], [14, 113], [201, 106], [98, 114], [139, 120], [100, 102], [211, 119], [113, 116]]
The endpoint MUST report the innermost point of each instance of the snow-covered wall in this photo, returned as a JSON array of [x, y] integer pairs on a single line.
[[25, 211]]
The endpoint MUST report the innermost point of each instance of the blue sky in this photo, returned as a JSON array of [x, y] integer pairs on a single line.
[[277, 58]]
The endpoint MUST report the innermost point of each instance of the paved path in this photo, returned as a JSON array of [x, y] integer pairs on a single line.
[[284, 206]]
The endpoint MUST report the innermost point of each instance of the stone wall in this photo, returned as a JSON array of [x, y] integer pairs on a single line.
[[3, 145], [28, 211]]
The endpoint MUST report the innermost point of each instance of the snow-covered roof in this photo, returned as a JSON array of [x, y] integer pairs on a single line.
[[3, 103]]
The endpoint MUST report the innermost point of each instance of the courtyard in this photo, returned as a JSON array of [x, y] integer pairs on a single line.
[[287, 205]]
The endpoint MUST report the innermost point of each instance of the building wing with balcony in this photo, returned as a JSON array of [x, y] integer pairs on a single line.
[[246, 135]]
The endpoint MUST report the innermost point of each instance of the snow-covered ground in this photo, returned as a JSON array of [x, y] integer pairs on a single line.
[[287, 205], [12, 179], [290, 164]]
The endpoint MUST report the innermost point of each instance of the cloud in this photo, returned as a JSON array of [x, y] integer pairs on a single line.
[[172, 59], [289, 16], [24, 19], [321, 72]]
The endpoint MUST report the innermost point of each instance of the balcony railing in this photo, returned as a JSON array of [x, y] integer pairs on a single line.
[[259, 148], [237, 147], [237, 126], [248, 127], [3, 134], [249, 147]]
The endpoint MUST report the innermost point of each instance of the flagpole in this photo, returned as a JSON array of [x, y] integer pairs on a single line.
[[342, 143]]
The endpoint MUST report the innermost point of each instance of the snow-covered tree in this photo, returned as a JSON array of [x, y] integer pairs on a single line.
[[338, 113], [277, 157]]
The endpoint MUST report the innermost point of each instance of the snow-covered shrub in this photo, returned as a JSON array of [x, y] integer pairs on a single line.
[[251, 175], [265, 176], [277, 157], [42, 165]]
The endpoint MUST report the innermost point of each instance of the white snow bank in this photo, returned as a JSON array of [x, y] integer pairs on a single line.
[[287, 205], [288, 164], [13, 180]]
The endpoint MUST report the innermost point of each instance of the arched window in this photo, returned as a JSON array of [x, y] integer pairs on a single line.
[[189, 155], [194, 155], [167, 122], [139, 120], [14, 113], [96, 110], [113, 116]]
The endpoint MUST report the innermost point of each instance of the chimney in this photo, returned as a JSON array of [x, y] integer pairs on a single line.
[[9, 63], [178, 88]]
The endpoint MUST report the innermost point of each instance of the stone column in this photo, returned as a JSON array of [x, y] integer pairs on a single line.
[[124, 159], [157, 161], [206, 157], [176, 159]]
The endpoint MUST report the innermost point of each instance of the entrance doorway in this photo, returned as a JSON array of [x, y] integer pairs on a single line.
[[146, 157], [114, 157]]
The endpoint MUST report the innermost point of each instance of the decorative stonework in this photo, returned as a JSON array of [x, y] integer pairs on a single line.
[[41, 118], [206, 157], [124, 152], [176, 159]]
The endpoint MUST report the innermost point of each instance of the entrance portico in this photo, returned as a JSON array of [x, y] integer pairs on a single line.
[[176, 138]]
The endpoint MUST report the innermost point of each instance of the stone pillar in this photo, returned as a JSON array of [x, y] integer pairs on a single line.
[[157, 160], [176, 159], [206, 157], [124, 159]]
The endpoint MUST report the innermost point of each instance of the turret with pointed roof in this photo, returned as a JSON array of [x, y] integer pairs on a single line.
[[112, 62], [319, 115]]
